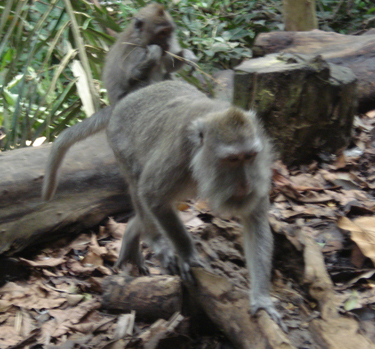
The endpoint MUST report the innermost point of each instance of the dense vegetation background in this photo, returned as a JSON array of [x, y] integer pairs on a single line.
[[46, 46]]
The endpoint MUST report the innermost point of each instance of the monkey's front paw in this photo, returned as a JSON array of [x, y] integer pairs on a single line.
[[189, 55], [266, 304]]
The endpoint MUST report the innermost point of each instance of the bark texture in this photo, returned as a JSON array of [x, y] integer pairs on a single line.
[[90, 189], [307, 105]]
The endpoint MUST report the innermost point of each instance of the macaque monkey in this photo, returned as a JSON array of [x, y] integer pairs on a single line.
[[140, 55], [137, 59], [173, 142]]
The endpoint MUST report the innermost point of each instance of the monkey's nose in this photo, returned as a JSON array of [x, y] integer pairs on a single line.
[[242, 190]]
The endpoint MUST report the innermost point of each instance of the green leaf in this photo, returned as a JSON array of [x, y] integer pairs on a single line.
[[352, 302]]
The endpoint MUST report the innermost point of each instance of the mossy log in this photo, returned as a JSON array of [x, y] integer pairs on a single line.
[[307, 105], [90, 189]]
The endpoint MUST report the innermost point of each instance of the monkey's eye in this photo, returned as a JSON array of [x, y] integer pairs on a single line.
[[232, 160], [250, 156], [164, 32], [240, 158], [138, 24]]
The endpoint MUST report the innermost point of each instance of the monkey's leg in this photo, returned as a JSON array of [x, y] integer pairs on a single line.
[[160, 245], [169, 221], [258, 244], [130, 247], [142, 224]]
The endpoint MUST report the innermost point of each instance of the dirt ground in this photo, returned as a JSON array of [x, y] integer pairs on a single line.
[[323, 219]]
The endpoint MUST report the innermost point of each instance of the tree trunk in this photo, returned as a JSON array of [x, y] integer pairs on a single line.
[[300, 15]]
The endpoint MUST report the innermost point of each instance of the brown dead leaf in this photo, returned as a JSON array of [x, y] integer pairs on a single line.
[[306, 180], [113, 249], [9, 336], [182, 206], [4, 306], [63, 320], [115, 229], [279, 179], [92, 258], [362, 233], [310, 196], [356, 257], [77, 268], [201, 206], [44, 262], [340, 162], [12, 290]]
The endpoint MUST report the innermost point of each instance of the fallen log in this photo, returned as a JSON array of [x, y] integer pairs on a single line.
[[224, 304], [152, 298], [90, 189], [356, 52]]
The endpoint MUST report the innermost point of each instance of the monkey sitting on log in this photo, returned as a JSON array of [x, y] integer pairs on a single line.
[[137, 59], [171, 142], [140, 55]]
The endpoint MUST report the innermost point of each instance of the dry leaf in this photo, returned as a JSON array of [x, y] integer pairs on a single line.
[[362, 233], [115, 229]]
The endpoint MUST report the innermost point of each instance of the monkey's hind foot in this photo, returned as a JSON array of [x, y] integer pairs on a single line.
[[185, 269], [132, 268], [268, 306], [169, 262]]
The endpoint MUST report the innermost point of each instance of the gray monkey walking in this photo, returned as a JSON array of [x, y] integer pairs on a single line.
[[173, 142]]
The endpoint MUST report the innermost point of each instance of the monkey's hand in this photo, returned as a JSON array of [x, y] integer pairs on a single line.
[[154, 53], [264, 302], [189, 56]]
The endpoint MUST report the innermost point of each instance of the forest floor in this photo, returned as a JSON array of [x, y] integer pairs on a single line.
[[50, 297]]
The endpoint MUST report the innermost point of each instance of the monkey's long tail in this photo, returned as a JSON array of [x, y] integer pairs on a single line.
[[74, 134]]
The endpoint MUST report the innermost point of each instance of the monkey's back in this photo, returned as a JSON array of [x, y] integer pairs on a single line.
[[167, 109]]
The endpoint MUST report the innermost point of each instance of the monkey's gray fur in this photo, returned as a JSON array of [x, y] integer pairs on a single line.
[[173, 142], [138, 58]]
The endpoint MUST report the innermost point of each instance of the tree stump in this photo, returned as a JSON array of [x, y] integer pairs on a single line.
[[356, 52], [307, 105]]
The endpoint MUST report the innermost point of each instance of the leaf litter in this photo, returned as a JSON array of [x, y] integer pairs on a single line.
[[323, 219]]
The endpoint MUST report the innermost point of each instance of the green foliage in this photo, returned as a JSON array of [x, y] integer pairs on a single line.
[[346, 16], [37, 86], [39, 93], [221, 32]]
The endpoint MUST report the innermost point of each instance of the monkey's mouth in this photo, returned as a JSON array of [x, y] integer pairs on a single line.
[[164, 46]]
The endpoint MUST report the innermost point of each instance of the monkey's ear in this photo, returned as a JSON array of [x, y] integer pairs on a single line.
[[138, 24], [197, 131]]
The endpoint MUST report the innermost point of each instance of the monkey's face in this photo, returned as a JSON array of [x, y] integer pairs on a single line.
[[162, 36], [230, 167], [155, 26]]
